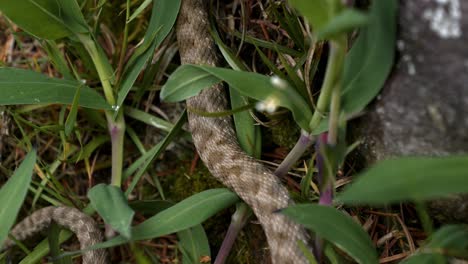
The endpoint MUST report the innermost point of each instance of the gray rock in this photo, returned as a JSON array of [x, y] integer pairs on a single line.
[[423, 107]]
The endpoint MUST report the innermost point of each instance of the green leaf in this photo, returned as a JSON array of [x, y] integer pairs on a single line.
[[370, 60], [185, 214], [447, 239], [316, 11], [194, 245], [344, 22], [90, 147], [13, 192], [48, 19], [148, 119], [110, 202], [140, 9], [192, 241], [71, 118], [247, 133], [163, 17], [141, 165], [189, 80], [19, 86], [337, 228], [57, 59], [410, 178], [53, 237]]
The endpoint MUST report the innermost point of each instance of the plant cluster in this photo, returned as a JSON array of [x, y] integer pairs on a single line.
[[353, 75]]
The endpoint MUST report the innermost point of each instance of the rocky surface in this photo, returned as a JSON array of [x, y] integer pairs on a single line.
[[423, 107]]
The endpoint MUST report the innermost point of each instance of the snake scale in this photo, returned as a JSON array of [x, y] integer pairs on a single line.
[[217, 145]]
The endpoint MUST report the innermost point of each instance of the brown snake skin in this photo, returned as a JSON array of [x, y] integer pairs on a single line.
[[216, 143], [79, 223]]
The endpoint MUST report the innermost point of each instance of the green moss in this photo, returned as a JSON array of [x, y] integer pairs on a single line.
[[181, 185], [285, 132]]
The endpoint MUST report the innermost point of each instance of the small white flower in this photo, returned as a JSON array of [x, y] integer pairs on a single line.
[[269, 105], [278, 82]]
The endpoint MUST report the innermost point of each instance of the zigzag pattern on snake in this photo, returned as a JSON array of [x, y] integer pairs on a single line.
[[216, 143]]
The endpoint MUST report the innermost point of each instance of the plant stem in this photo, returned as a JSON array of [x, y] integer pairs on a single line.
[[117, 133], [305, 140], [123, 50], [116, 127], [238, 221], [99, 63], [340, 49], [332, 73]]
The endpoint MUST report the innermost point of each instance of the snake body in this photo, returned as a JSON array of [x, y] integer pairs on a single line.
[[216, 143], [82, 225]]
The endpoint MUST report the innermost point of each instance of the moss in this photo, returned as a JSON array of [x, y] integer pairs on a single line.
[[285, 132], [249, 246]]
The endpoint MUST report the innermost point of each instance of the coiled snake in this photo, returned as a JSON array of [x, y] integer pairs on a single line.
[[216, 143]]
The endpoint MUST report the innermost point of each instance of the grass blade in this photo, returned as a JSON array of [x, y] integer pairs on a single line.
[[13, 193]]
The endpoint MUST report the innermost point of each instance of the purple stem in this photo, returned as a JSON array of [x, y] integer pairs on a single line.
[[305, 140], [238, 221], [325, 185]]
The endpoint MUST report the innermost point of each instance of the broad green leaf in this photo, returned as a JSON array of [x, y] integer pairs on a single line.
[[110, 202], [13, 193], [194, 245], [47, 19], [185, 214], [189, 80], [185, 82], [317, 12], [192, 242], [344, 22], [163, 17], [409, 178], [369, 61], [19, 86], [447, 239], [337, 228]]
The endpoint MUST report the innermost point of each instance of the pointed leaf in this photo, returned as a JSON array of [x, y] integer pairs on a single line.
[[163, 17], [48, 19], [194, 245], [13, 192], [185, 214], [349, 19], [369, 61], [337, 228], [111, 204], [316, 11], [404, 179], [446, 239], [19, 86], [189, 80]]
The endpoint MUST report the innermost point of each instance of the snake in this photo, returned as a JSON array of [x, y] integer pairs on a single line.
[[216, 143]]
